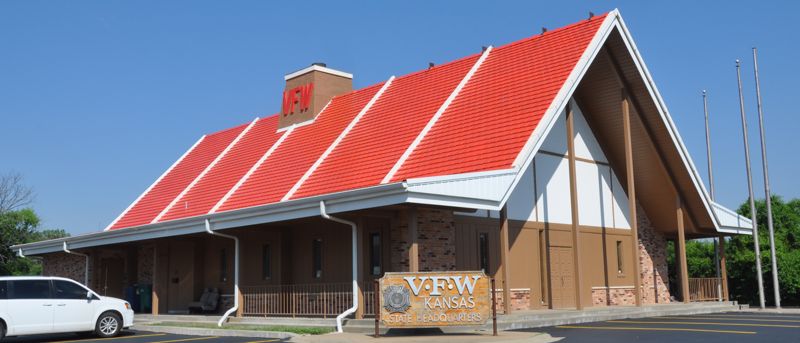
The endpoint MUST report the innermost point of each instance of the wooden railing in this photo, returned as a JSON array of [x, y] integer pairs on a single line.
[[304, 300], [705, 289]]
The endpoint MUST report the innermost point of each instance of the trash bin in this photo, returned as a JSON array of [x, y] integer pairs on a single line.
[[131, 297], [145, 298]]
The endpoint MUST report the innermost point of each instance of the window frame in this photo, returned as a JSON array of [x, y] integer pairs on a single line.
[[316, 258], [375, 253], [483, 252]]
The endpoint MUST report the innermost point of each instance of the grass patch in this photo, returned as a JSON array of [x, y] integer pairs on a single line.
[[300, 330]]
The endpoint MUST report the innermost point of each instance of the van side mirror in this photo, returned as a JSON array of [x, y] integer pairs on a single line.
[[89, 296]]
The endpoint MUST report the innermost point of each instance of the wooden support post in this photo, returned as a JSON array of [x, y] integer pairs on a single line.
[[626, 126], [682, 250], [723, 268], [573, 196], [154, 295], [413, 241], [240, 310], [377, 305], [504, 260]]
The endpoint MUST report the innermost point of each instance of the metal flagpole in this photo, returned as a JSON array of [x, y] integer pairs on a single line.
[[750, 189], [711, 184], [775, 285]]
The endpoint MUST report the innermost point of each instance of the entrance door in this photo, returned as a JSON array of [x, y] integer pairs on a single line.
[[562, 282], [180, 285], [111, 277]]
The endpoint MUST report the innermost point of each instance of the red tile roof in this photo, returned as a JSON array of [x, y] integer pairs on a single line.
[[484, 128]]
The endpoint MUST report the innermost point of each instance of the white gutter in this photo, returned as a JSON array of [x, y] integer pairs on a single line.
[[235, 272], [86, 270], [353, 225]]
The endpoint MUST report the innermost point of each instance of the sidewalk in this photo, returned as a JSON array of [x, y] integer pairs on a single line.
[[507, 337]]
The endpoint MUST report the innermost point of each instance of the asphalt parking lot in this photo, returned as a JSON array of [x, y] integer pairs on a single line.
[[731, 327], [136, 337]]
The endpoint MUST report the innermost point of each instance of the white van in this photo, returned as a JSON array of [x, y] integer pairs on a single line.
[[32, 305]]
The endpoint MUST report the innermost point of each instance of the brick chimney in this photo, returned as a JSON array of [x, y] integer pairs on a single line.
[[309, 90]]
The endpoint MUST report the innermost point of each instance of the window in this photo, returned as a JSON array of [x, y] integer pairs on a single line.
[[316, 258], [375, 253], [483, 251], [266, 262], [29, 289], [68, 290], [223, 266], [3, 290], [620, 263]]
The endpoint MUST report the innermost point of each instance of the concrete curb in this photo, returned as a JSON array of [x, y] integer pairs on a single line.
[[214, 332]]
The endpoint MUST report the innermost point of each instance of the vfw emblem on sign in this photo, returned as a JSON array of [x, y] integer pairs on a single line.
[[396, 299]]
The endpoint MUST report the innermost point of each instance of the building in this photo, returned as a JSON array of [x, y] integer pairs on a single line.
[[551, 163]]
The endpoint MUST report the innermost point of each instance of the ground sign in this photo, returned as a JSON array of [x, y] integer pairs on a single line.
[[434, 299]]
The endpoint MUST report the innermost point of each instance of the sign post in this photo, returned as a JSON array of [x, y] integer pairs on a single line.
[[494, 309], [377, 300], [433, 299]]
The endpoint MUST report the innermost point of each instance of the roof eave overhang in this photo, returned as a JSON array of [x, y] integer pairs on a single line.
[[456, 191]]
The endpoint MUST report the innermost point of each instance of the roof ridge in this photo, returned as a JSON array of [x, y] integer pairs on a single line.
[[551, 32]]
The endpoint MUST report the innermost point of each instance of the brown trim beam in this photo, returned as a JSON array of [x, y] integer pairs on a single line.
[[645, 124], [573, 197], [723, 268], [634, 222], [504, 259], [154, 299], [682, 250], [413, 241]]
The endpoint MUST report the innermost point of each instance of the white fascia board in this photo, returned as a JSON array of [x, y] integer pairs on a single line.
[[338, 140], [317, 68], [205, 171], [400, 161], [154, 183], [559, 104], [481, 186], [666, 117], [732, 222]]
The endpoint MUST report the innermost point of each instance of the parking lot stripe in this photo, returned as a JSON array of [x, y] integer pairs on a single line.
[[752, 315], [264, 341], [703, 323], [653, 329], [747, 319], [109, 338], [187, 339]]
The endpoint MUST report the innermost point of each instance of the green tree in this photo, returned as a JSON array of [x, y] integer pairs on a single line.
[[18, 227], [741, 257]]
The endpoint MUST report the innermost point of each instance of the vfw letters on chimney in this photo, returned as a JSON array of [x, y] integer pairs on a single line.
[[297, 99], [434, 299]]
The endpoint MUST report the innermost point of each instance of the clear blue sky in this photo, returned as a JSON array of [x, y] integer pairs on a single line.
[[98, 98]]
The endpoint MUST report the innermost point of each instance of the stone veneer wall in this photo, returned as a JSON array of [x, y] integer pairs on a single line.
[[520, 299], [436, 237], [652, 266], [652, 261], [65, 265]]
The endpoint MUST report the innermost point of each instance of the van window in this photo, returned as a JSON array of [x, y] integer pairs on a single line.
[[3, 290], [68, 290], [29, 289]]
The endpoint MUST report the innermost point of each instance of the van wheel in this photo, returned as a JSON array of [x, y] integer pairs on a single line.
[[2, 330], [108, 325]]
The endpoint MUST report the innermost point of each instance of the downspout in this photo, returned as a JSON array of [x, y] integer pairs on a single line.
[[353, 225], [235, 272], [86, 267]]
